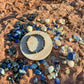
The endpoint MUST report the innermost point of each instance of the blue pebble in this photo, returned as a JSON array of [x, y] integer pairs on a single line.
[[56, 62], [55, 46], [77, 38], [9, 35], [56, 25], [47, 25], [33, 66], [73, 36], [57, 81], [18, 32], [18, 28], [23, 30], [22, 67], [37, 72], [42, 77], [16, 40], [35, 80], [56, 37], [15, 35], [49, 28], [42, 61], [70, 56], [37, 28], [9, 66], [18, 66], [26, 68]]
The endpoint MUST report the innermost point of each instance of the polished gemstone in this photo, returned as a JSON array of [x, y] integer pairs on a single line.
[[33, 66], [37, 72], [42, 61], [42, 77], [57, 81]]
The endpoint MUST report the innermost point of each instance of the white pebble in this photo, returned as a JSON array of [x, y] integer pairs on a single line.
[[56, 74], [29, 28], [70, 49], [58, 42], [49, 77], [81, 42], [51, 69], [70, 63], [43, 21], [61, 21], [53, 75], [22, 71], [70, 39], [2, 71], [47, 21]]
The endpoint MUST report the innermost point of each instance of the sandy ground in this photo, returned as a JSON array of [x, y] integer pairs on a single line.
[[71, 10]]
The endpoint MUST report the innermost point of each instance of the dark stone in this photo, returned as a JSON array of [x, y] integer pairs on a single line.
[[17, 80], [31, 17], [45, 72], [3, 65], [10, 79], [15, 70]]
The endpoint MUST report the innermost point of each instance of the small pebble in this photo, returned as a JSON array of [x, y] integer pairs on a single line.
[[70, 56], [47, 21], [70, 49], [61, 21], [51, 69], [2, 71], [22, 71], [33, 66], [57, 81], [64, 62], [37, 72], [53, 75], [70, 63], [38, 19], [42, 77], [55, 46], [70, 39], [29, 28], [58, 42], [67, 71], [62, 57], [42, 61], [49, 77], [35, 80]]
